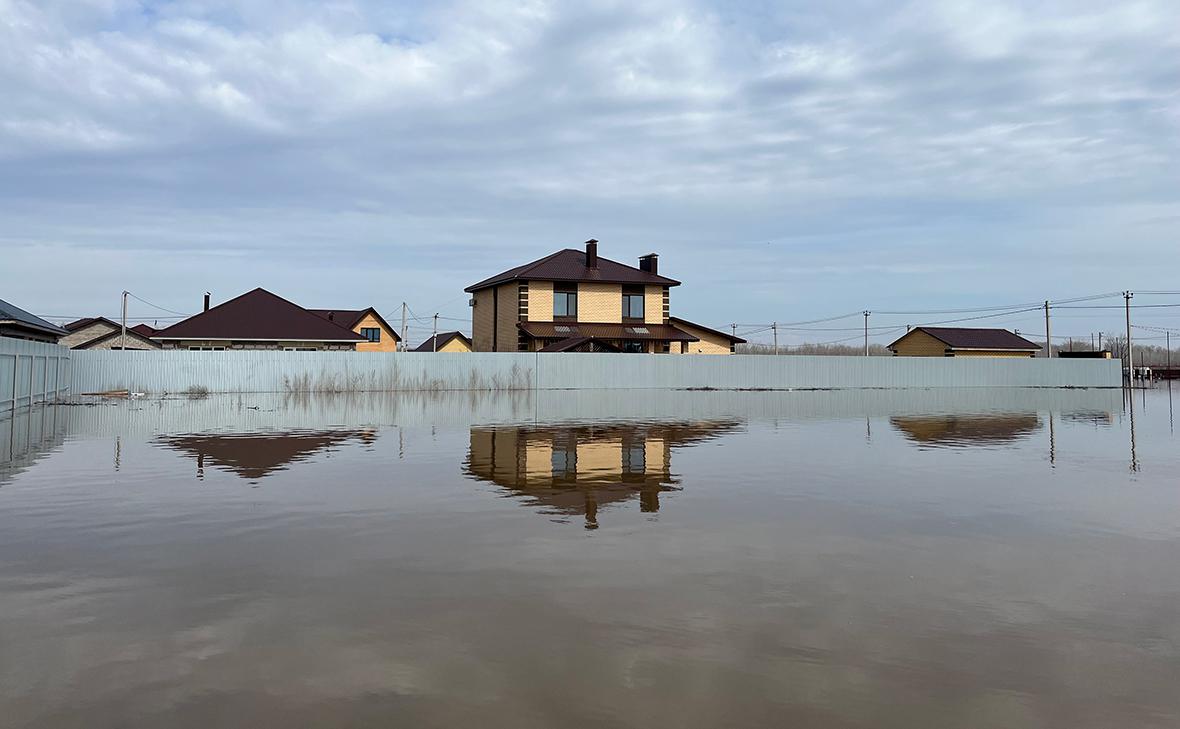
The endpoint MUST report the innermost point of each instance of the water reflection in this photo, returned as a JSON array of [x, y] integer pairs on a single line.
[[962, 431], [254, 456], [577, 470], [28, 436]]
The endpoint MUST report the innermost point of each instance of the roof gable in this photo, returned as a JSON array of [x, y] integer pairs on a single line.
[[969, 338], [131, 334], [716, 332], [17, 315], [570, 265], [259, 315], [350, 318], [444, 338]]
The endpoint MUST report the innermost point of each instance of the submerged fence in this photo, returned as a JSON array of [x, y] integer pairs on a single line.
[[158, 372], [31, 372]]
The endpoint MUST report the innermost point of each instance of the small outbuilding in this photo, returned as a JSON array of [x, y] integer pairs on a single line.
[[16, 323], [962, 342], [446, 342]]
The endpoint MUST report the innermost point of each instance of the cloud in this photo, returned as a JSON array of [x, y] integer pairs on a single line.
[[329, 142]]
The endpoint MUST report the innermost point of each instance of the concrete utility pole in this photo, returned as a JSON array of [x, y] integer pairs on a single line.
[[774, 329], [867, 312], [1099, 341], [733, 327], [434, 337], [1168, 339], [123, 328], [1127, 296], [1048, 336], [405, 336]]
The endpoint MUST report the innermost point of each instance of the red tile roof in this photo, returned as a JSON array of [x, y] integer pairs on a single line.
[[967, 338], [259, 315], [570, 265], [562, 330]]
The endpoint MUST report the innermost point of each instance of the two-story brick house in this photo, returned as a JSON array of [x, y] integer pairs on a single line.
[[575, 300]]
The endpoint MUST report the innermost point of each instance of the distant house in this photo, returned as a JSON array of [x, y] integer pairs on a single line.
[[446, 342], [379, 336], [101, 333], [257, 319], [708, 341], [573, 301], [962, 342], [144, 330], [16, 323]]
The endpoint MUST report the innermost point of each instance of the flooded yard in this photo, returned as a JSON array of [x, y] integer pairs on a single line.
[[973, 558]]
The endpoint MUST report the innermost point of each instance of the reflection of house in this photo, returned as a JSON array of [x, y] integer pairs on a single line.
[[577, 470], [256, 455], [966, 430], [379, 336], [446, 342], [16, 323], [575, 301], [257, 319], [962, 342], [101, 333]]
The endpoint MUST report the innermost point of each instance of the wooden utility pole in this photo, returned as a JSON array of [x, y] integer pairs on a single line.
[[1127, 296], [123, 328], [867, 312], [1048, 336], [434, 337], [405, 335]]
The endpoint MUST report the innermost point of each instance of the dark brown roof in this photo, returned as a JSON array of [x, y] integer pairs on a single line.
[[85, 322], [966, 338], [570, 265], [259, 315], [444, 338], [349, 318], [21, 318], [571, 344], [718, 332], [143, 330], [560, 330]]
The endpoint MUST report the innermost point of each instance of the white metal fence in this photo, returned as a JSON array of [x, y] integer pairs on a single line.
[[162, 371], [32, 372]]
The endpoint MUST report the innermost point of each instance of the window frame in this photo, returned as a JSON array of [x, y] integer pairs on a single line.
[[368, 332], [633, 292], [567, 294]]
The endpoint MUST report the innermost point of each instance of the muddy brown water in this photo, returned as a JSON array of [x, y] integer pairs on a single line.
[[873, 559]]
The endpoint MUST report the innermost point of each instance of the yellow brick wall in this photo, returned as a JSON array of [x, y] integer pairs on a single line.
[[481, 321], [653, 304], [710, 343], [387, 343], [920, 344], [599, 302], [540, 301], [990, 353], [455, 345], [86, 334]]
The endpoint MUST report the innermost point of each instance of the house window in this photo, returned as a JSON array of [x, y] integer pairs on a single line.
[[373, 334], [634, 347], [633, 302], [565, 460], [195, 348], [300, 349], [565, 301]]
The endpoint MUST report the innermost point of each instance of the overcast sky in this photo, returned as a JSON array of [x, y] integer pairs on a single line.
[[788, 160]]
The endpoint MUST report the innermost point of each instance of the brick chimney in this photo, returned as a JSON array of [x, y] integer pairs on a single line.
[[206, 301], [650, 263], [591, 253]]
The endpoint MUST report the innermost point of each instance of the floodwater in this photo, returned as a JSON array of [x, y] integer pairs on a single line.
[[977, 558]]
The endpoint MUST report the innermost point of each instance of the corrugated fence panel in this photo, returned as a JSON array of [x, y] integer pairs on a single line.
[[31, 372], [159, 372]]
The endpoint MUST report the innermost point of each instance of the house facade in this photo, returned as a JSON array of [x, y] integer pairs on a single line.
[[101, 333], [576, 300], [446, 342], [962, 342], [16, 323], [257, 319], [379, 336], [708, 341]]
